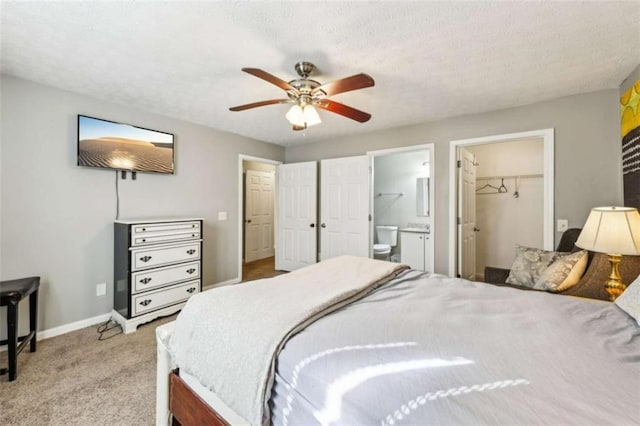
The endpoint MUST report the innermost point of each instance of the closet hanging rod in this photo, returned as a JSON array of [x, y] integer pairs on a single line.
[[509, 177], [398, 194]]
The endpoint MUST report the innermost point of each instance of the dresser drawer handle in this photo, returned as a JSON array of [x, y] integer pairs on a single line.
[[145, 280], [191, 251], [191, 270], [144, 240], [193, 235], [144, 229], [191, 289], [145, 258], [193, 226], [145, 302]]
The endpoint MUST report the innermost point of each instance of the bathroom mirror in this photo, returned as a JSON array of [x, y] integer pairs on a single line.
[[422, 197]]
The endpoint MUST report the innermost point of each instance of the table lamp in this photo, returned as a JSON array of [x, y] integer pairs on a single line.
[[614, 231]]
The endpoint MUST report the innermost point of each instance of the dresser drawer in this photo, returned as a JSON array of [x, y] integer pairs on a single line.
[[154, 233], [145, 258], [152, 300], [149, 279]]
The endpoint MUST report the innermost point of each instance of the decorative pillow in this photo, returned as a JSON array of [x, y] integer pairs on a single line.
[[629, 300], [564, 273], [530, 263]]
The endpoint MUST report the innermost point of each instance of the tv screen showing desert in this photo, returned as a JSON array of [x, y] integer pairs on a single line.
[[123, 147]]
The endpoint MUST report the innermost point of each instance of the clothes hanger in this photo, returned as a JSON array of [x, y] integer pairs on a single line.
[[503, 189]]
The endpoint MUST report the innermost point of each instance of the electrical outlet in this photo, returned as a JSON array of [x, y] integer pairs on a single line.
[[563, 225], [222, 215], [101, 289]]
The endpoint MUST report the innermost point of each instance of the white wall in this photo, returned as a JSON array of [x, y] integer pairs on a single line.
[[504, 220], [57, 218], [588, 157], [395, 173]]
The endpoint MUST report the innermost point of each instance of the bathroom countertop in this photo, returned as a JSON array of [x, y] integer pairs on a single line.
[[416, 230]]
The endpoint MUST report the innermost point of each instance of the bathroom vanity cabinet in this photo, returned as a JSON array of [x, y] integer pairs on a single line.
[[414, 250]]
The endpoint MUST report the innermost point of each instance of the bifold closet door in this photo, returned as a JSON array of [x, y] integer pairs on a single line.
[[344, 207], [297, 215]]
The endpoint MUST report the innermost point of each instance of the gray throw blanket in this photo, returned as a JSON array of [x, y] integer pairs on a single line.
[[229, 338]]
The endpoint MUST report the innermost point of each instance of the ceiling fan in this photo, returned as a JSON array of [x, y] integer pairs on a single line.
[[305, 94]]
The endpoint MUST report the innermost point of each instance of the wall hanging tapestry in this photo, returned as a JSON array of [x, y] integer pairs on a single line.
[[630, 127]]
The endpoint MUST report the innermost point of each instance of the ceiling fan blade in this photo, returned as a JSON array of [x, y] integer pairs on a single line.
[[259, 104], [344, 110], [299, 127], [355, 82], [270, 78]]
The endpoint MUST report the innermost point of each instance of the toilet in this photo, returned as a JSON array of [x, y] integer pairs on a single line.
[[387, 238]]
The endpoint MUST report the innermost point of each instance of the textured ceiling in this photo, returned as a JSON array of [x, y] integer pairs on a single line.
[[429, 60]]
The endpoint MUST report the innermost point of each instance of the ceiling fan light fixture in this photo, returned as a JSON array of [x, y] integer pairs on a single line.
[[311, 116], [296, 115], [303, 116]]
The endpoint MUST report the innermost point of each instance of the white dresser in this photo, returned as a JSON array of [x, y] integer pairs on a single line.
[[157, 267]]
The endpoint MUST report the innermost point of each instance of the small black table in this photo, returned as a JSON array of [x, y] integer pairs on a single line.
[[11, 293]]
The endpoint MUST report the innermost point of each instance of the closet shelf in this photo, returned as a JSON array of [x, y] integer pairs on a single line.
[[508, 177]]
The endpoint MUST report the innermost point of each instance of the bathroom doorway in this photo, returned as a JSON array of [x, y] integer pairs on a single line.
[[257, 221], [402, 206]]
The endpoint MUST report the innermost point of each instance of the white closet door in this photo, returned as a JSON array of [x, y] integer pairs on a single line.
[[344, 207], [297, 215], [467, 215]]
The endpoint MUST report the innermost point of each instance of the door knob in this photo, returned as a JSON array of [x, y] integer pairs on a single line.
[[322, 225], [476, 229], [312, 225], [248, 220]]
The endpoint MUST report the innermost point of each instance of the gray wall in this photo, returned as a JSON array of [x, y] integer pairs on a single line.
[[587, 152], [57, 218]]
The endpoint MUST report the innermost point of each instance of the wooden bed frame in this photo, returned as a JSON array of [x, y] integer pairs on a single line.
[[187, 408]]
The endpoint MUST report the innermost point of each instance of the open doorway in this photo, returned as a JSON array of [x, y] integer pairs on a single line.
[[502, 196], [258, 218], [402, 198]]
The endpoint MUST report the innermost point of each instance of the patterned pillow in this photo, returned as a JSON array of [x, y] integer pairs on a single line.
[[530, 263], [629, 300], [564, 273]]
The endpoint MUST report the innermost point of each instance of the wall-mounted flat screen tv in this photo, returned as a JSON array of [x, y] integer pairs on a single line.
[[119, 146]]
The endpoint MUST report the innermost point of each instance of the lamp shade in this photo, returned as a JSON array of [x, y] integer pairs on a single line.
[[311, 116], [296, 115], [612, 230]]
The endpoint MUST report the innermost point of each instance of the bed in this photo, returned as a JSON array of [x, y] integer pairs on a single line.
[[400, 347]]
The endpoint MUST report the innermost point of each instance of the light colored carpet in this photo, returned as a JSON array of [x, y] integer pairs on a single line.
[[74, 379]]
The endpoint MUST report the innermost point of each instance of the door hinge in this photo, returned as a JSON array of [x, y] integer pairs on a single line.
[[369, 217], [370, 169], [459, 163], [459, 220]]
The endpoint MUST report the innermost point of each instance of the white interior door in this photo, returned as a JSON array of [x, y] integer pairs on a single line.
[[297, 215], [344, 207], [258, 227], [467, 214]]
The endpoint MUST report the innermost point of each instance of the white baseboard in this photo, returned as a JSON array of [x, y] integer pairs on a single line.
[[77, 325], [67, 328]]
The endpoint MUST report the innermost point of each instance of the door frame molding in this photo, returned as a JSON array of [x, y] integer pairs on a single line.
[[548, 136], [241, 159], [432, 190]]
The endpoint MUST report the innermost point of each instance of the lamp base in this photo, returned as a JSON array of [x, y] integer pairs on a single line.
[[614, 284]]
